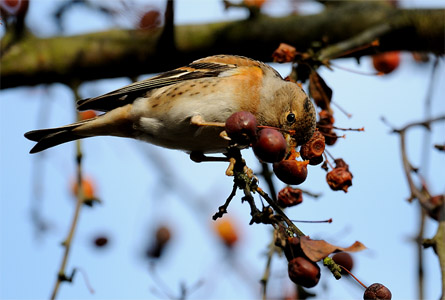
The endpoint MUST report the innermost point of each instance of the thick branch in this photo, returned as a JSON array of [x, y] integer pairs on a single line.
[[118, 53]]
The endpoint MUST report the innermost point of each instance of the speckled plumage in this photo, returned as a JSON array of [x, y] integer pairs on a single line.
[[158, 110]]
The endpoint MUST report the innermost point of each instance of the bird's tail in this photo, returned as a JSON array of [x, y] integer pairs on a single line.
[[47, 138]]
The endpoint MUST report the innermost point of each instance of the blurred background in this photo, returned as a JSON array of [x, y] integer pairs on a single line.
[[148, 193]]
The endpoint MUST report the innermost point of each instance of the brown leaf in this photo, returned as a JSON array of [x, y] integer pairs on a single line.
[[316, 250], [320, 91], [284, 53]]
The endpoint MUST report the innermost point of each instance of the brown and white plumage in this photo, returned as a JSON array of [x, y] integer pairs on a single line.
[[158, 110]]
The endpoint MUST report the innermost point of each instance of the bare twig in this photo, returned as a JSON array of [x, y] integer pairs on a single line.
[[61, 275], [416, 193], [264, 280]]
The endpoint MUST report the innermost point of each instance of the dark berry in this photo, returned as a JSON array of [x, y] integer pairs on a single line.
[[339, 179], [292, 248], [100, 241], [270, 145], [291, 171], [344, 259], [241, 127], [314, 147], [316, 160], [330, 138], [288, 197], [377, 291], [162, 237], [436, 202], [304, 272]]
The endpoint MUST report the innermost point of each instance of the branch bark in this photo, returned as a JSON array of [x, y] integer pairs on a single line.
[[117, 53]]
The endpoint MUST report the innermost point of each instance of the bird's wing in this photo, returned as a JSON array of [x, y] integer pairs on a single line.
[[211, 66]]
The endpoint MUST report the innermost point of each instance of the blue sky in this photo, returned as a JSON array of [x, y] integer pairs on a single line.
[[137, 194]]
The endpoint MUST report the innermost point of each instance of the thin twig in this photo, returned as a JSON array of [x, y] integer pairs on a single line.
[[61, 275], [419, 240], [280, 212], [264, 280], [416, 193]]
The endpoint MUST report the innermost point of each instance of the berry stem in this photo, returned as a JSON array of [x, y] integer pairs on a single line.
[[361, 283], [308, 221], [326, 153]]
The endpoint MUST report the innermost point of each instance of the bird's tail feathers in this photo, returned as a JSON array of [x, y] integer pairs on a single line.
[[47, 138]]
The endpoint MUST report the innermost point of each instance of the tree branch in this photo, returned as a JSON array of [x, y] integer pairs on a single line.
[[117, 53]]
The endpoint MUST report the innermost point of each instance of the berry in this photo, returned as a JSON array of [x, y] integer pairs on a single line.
[[257, 3], [339, 179], [284, 53], [344, 259], [314, 147], [436, 202], [270, 145], [292, 248], [325, 126], [88, 188], [241, 127], [330, 138], [304, 272], [100, 241], [316, 160], [386, 62], [150, 20], [288, 197], [162, 237], [340, 163], [377, 291], [291, 171], [17, 8], [227, 232], [88, 114]]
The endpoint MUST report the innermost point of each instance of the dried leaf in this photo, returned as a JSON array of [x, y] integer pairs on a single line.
[[284, 53], [316, 250], [320, 91]]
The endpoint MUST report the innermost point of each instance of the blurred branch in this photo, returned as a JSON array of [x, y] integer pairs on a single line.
[[117, 53], [67, 243], [420, 194]]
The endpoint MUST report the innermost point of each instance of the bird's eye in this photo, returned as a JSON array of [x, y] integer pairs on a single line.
[[291, 117]]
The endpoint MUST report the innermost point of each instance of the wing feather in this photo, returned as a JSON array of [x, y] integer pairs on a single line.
[[211, 66]]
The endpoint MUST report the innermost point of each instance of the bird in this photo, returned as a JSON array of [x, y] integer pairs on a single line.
[[162, 110]]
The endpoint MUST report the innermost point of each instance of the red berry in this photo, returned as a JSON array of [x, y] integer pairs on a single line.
[[270, 145], [344, 259], [241, 127], [291, 171], [292, 248], [88, 114], [150, 20], [386, 62], [377, 291], [304, 272], [14, 7], [288, 197]]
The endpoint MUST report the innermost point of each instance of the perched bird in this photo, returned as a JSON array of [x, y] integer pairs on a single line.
[[163, 110]]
